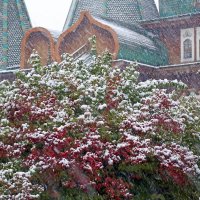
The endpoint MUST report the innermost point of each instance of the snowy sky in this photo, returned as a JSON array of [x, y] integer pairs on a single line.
[[50, 14]]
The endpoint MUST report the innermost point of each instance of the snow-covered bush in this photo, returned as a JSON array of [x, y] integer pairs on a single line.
[[76, 131]]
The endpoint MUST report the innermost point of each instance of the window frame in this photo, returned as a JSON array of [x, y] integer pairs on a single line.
[[198, 43], [197, 3], [187, 34]]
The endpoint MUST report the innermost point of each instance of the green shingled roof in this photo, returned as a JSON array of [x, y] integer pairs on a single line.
[[136, 44], [177, 7], [128, 11], [14, 21]]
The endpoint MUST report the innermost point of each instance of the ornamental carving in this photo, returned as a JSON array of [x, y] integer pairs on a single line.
[[70, 41], [187, 33], [42, 41]]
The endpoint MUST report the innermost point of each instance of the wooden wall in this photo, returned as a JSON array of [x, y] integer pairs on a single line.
[[69, 41], [41, 40]]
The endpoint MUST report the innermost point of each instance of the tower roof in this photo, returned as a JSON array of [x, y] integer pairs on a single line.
[[128, 11], [178, 7], [14, 21]]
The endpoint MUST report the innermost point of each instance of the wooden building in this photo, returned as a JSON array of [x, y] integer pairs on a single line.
[[166, 44]]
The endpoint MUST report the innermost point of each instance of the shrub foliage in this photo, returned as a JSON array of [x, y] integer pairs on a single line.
[[76, 131]]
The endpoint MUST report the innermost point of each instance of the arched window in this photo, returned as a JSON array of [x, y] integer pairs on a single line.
[[187, 45], [187, 48]]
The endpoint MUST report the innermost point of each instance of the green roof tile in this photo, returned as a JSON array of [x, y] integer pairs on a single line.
[[177, 7], [128, 11], [136, 44], [14, 21]]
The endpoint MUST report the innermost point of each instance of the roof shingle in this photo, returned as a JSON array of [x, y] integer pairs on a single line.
[[177, 7], [14, 21], [128, 11]]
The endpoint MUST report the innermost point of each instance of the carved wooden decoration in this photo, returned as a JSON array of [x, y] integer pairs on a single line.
[[77, 36], [41, 40]]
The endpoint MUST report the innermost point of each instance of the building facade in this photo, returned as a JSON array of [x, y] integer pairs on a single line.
[[166, 44]]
